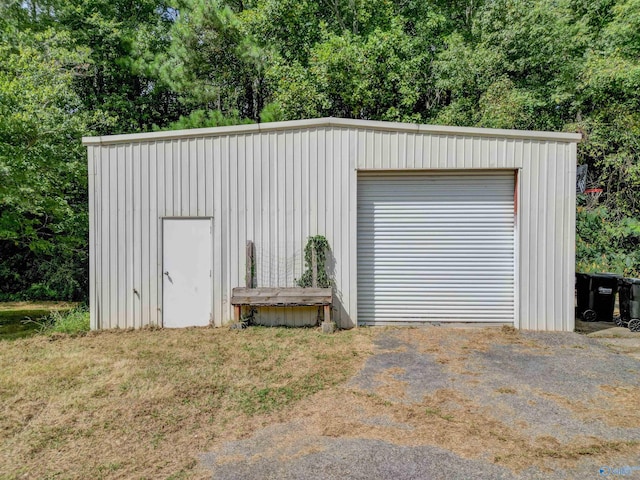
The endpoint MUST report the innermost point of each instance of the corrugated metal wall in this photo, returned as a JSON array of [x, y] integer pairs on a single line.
[[547, 236], [275, 189], [407, 150], [296, 179]]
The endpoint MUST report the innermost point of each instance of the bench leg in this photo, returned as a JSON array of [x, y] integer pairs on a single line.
[[327, 326], [327, 313], [236, 313]]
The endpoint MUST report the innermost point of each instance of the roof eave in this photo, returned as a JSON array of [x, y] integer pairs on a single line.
[[332, 122]]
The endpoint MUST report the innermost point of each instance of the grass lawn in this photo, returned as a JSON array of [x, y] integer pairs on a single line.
[[23, 319], [145, 403]]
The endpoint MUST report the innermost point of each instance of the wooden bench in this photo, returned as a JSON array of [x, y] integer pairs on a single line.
[[282, 297]]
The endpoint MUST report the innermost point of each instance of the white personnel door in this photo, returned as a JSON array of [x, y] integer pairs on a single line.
[[186, 272]]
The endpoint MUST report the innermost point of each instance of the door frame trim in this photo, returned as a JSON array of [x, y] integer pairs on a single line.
[[161, 269]]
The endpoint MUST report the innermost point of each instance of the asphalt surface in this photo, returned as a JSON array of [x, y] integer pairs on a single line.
[[360, 459], [537, 371]]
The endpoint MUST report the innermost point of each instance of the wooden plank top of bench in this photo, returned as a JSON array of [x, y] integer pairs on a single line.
[[295, 296]]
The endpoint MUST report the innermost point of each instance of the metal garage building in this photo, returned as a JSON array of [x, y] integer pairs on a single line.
[[425, 223]]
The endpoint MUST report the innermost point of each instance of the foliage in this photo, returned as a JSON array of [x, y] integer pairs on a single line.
[[608, 92], [43, 179], [71, 322], [21, 323], [212, 61], [272, 112], [321, 247], [68, 69], [116, 79], [80, 67], [605, 244], [202, 119]]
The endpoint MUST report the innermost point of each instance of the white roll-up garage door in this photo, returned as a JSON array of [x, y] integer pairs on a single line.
[[436, 247]]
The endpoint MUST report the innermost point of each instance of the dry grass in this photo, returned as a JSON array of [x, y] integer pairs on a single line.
[[446, 418], [17, 306], [453, 347], [145, 403], [616, 406], [450, 421]]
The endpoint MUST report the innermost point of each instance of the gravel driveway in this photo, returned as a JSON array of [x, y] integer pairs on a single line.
[[450, 403]]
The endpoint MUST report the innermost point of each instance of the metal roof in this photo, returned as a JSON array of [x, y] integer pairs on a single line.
[[332, 122]]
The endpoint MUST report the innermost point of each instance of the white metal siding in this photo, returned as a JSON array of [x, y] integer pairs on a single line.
[[436, 247], [277, 184], [275, 188], [546, 219], [417, 151]]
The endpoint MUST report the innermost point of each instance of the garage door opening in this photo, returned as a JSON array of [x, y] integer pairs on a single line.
[[436, 247]]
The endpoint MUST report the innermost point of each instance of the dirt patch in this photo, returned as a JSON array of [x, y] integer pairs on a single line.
[[453, 347], [390, 386], [455, 423], [627, 346]]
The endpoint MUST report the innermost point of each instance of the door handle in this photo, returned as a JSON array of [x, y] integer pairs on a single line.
[[166, 273]]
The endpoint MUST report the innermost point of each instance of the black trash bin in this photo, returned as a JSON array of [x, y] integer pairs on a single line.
[[629, 289], [596, 294]]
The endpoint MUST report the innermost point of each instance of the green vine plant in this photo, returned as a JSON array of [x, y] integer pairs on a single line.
[[321, 246]]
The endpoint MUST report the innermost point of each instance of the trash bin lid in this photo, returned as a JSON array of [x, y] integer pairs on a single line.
[[606, 275], [634, 281]]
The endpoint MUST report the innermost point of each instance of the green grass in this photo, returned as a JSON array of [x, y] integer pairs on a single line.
[[16, 324], [436, 412], [21, 321], [72, 322]]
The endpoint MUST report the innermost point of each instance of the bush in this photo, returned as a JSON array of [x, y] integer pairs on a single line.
[[605, 243]]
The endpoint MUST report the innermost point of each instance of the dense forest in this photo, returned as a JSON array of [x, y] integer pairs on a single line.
[[70, 68]]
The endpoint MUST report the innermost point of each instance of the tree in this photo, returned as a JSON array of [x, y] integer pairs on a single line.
[[80, 67], [610, 104], [43, 184], [119, 35], [517, 69], [213, 62]]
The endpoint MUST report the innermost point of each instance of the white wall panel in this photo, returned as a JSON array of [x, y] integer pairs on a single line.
[[547, 247], [93, 283], [278, 184]]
